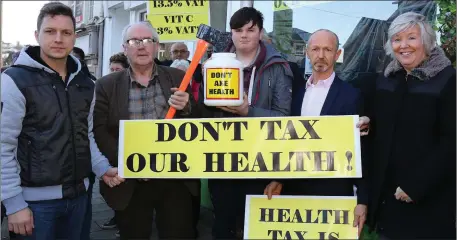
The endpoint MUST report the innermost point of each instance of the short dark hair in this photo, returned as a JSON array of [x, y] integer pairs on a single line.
[[53, 9], [80, 52], [119, 58], [245, 15]]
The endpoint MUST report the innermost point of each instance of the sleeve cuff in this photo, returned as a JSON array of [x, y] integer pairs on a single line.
[[187, 109], [101, 168], [250, 111], [362, 200], [14, 204]]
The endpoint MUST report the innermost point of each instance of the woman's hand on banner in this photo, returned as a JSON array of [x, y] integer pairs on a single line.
[[360, 216], [274, 188], [364, 125], [111, 178]]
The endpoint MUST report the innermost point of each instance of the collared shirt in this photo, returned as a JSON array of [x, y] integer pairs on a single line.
[[315, 96], [147, 102]]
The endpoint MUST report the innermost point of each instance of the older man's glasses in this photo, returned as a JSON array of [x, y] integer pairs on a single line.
[[138, 42]]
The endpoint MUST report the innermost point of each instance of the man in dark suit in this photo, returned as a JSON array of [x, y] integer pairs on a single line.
[[121, 96], [325, 94]]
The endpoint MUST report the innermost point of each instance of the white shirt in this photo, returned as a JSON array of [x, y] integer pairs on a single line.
[[315, 96]]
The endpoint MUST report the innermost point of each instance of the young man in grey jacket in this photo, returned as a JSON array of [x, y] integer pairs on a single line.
[[271, 97], [47, 146]]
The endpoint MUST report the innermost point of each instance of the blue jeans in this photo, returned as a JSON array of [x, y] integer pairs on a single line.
[[60, 217]]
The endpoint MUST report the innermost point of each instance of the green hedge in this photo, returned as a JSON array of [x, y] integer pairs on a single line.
[[445, 24]]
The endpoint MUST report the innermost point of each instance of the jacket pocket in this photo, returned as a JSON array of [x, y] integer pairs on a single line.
[[82, 87]]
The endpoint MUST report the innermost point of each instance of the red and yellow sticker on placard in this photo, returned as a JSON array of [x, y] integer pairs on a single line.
[[222, 83]]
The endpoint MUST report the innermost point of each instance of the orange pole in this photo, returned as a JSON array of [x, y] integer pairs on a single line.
[[199, 52]]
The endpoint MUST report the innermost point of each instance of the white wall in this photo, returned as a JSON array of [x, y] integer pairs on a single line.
[[113, 3], [112, 43], [132, 4], [83, 43], [233, 6], [98, 8]]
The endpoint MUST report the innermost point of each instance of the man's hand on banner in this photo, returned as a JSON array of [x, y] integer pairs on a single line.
[[274, 188], [241, 110], [364, 125], [111, 178], [179, 99], [400, 195], [360, 216]]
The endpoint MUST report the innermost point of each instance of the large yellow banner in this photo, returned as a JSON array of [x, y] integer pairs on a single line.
[[178, 20], [299, 217], [286, 147]]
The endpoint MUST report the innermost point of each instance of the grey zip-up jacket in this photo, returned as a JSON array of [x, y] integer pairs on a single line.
[[47, 145]]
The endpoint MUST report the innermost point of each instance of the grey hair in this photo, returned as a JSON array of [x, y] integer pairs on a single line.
[[178, 43], [144, 23], [405, 21], [326, 30]]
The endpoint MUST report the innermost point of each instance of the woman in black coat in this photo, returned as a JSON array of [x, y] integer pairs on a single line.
[[412, 108]]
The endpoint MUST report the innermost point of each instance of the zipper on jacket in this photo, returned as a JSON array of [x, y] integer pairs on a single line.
[[259, 74], [73, 140], [57, 95]]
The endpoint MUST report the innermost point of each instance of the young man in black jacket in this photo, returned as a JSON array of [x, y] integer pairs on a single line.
[[47, 145]]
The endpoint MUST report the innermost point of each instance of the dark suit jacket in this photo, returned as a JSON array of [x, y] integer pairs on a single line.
[[342, 99], [111, 106], [298, 75]]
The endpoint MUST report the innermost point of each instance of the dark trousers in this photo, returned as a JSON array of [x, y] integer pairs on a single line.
[[173, 204], [85, 235], [196, 202], [61, 217], [229, 199]]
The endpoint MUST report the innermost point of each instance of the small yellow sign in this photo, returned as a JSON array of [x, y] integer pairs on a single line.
[[280, 5], [299, 217], [178, 20], [268, 147], [178, 6], [222, 83]]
